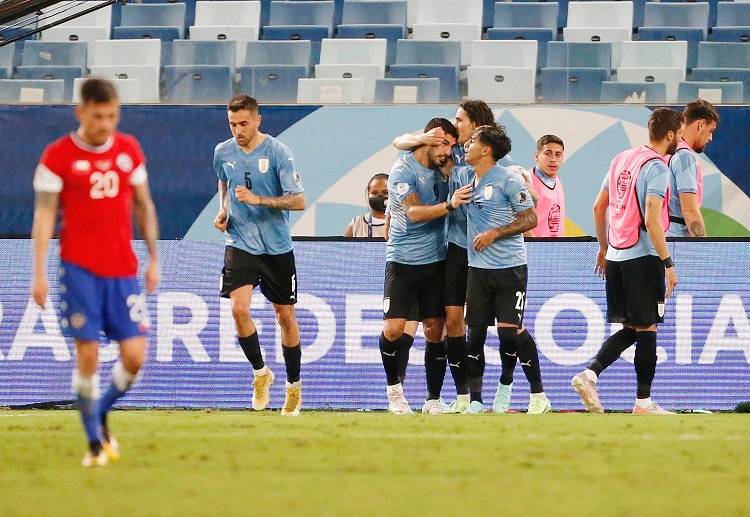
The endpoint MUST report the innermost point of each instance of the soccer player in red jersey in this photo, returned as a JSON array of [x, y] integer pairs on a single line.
[[97, 177]]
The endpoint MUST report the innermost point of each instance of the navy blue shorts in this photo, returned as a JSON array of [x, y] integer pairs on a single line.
[[91, 305]]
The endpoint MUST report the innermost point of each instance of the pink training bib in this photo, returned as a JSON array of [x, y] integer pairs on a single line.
[[550, 208]]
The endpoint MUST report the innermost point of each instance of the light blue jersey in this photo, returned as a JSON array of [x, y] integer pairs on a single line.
[[653, 180], [684, 178], [498, 196], [460, 176], [547, 180], [458, 154], [409, 242], [270, 171]]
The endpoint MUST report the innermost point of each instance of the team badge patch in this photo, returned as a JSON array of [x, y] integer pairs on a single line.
[[263, 164], [124, 162], [402, 188], [386, 305], [488, 192]]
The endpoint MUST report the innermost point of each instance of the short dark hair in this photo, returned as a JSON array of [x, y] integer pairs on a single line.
[[700, 109], [98, 91], [378, 176], [444, 124], [662, 121], [242, 102], [496, 139], [549, 139], [479, 112]]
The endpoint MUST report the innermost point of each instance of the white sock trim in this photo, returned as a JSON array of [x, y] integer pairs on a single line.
[[262, 371], [121, 378], [87, 386], [591, 375], [644, 403], [293, 384]]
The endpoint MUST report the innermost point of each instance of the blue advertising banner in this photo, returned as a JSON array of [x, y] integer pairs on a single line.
[[194, 361]]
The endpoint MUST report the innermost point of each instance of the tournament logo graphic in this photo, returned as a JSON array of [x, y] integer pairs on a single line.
[[623, 184], [553, 219]]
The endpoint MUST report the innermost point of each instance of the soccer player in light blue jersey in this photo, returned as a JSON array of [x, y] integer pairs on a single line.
[[500, 211], [701, 119], [415, 262], [258, 185]]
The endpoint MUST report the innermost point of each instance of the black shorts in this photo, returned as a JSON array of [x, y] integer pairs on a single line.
[[275, 274], [496, 295], [408, 286], [635, 291], [456, 273]]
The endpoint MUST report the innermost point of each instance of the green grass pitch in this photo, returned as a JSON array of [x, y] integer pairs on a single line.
[[325, 463]]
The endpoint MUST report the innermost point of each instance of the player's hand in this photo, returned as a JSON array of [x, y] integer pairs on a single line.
[[483, 240], [151, 278], [601, 264], [245, 195], [434, 136], [221, 221], [671, 277], [462, 196], [39, 290]]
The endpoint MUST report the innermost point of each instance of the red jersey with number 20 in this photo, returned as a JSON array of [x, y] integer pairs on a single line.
[[95, 186]]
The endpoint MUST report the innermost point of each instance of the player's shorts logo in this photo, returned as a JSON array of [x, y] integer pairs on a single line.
[[488, 192], [124, 162], [660, 308], [386, 305], [263, 164], [77, 320]]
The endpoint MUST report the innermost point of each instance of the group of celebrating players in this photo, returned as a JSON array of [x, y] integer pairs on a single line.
[[457, 211]]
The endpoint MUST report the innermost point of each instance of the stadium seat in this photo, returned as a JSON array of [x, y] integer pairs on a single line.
[[189, 11], [514, 53], [725, 75], [667, 15], [31, 91], [731, 34], [272, 83], [127, 90], [599, 21], [733, 14], [562, 54], [723, 55], [198, 83], [233, 16], [423, 59], [691, 35], [153, 16], [572, 84], [330, 91], [299, 33], [527, 15], [190, 52], [353, 58], [147, 76], [7, 54], [125, 52], [726, 93], [375, 19], [541, 36], [464, 33], [633, 93], [407, 91], [412, 6], [163, 34], [671, 77], [74, 33], [440, 20], [712, 8], [266, 52], [653, 61], [67, 73], [502, 84], [390, 33], [303, 14]]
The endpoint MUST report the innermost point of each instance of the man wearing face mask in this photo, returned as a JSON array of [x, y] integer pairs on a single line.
[[371, 224]]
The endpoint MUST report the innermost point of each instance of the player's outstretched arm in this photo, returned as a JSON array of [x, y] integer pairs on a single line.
[[654, 206], [145, 216], [45, 213], [409, 141], [600, 222], [524, 221], [691, 212]]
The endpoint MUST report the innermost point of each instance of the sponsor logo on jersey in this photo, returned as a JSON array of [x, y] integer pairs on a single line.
[[103, 165], [263, 164], [124, 162], [81, 166]]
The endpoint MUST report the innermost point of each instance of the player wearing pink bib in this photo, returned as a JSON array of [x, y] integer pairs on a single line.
[[631, 218], [550, 205]]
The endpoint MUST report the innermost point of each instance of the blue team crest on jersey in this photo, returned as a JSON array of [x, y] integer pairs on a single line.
[[263, 164]]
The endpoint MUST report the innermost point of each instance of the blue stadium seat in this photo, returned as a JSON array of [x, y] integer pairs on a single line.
[[67, 73], [303, 13], [488, 13], [649, 93], [11, 90], [266, 52], [723, 55], [687, 14], [7, 54], [712, 7], [424, 59], [725, 75], [447, 74], [299, 33], [198, 84], [427, 90], [572, 84], [562, 10], [731, 34], [731, 14], [537, 15], [390, 33], [692, 35], [7, 33], [561, 54], [374, 12], [153, 16], [272, 83], [55, 53], [160, 33], [190, 52], [731, 92], [542, 36], [189, 10]]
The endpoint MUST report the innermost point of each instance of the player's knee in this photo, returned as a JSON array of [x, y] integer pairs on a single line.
[[455, 326], [508, 338], [433, 329], [286, 318], [392, 329], [240, 311], [132, 362]]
